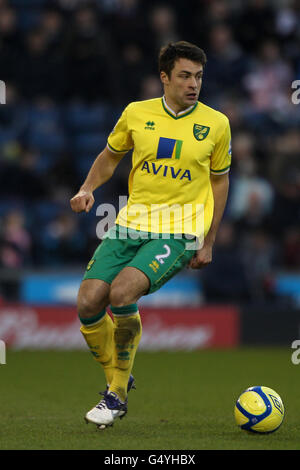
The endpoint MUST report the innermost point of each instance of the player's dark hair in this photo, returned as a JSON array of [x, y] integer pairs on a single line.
[[177, 50]]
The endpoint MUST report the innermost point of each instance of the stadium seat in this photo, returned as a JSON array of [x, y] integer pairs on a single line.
[[8, 136], [88, 144], [82, 165], [8, 206], [45, 162], [28, 18], [82, 118], [45, 211], [50, 144], [42, 113], [45, 131], [28, 3]]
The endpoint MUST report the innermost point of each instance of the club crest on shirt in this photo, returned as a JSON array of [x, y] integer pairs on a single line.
[[200, 132]]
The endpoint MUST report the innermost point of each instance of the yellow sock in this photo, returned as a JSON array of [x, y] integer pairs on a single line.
[[98, 334], [127, 335]]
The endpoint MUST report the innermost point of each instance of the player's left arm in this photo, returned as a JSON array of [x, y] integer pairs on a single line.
[[203, 256], [219, 180]]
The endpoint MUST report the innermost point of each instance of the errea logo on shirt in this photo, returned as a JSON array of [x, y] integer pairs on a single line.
[[150, 125]]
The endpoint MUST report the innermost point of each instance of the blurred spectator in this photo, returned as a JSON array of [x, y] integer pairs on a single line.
[[15, 241], [61, 242], [251, 195], [218, 11], [37, 69], [287, 26], [62, 179], [226, 64], [284, 172], [10, 36], [125, 19], [255, 23], [19, 178], [70, 5], [259, 259], [151, 87], [285, 156], [269, 79], [291, 249], [45, 130], [10, 42], [133, 68], [13, 118], [163, 26], [232, 107], [87, 56], [285, 211], [225, 279], [207, 15], [52, 24]]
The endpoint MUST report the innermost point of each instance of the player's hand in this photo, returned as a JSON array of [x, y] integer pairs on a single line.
[[201, 258], [82, 201]]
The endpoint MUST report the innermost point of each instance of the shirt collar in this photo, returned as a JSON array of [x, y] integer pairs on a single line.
[[181, 113]]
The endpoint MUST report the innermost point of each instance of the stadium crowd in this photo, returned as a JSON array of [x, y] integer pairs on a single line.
[[70, 66]]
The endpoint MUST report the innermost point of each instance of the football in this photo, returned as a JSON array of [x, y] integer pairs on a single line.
[[259, 410]]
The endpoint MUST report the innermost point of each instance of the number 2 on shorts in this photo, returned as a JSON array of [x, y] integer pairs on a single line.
[[160, 258]]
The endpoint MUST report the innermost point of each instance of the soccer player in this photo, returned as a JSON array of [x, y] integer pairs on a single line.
[[178, 189]]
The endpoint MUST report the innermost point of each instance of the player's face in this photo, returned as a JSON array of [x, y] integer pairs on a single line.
[[183, 86]]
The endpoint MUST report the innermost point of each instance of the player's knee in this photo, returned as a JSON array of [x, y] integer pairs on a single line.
[[120, 294], [89, 304], [93, 297], [85, 307]]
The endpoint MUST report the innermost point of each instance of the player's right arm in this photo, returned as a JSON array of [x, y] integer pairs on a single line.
[[101, 171], [119, 143]]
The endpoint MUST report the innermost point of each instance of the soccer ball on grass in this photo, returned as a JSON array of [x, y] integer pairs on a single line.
[[259, 409]]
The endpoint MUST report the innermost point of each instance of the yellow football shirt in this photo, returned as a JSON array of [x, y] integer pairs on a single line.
[[173, 156]]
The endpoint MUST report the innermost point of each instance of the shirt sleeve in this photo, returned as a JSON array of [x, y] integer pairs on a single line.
[[221, 157], [120, 138]]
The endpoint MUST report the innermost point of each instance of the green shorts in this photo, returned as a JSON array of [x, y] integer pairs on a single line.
[[158, 256]]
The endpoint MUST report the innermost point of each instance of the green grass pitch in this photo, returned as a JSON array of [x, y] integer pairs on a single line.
[[184, 400]]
